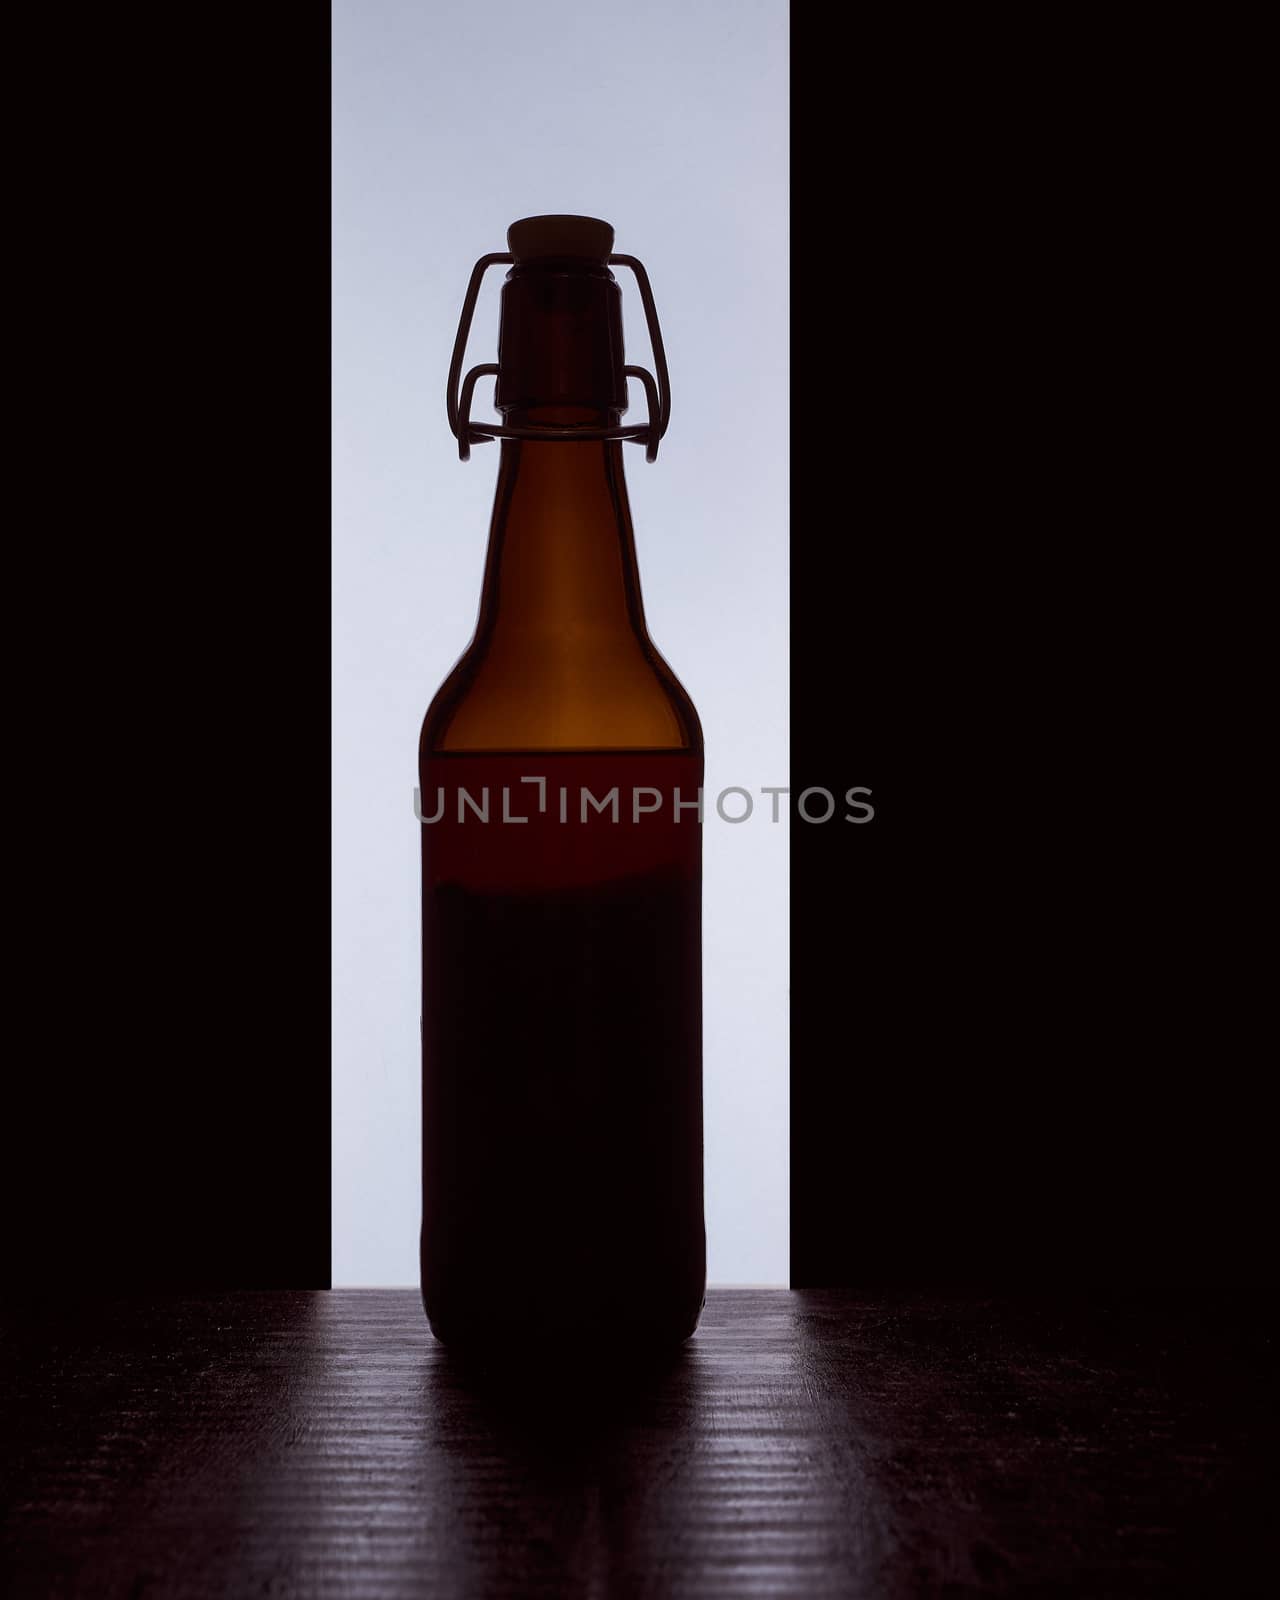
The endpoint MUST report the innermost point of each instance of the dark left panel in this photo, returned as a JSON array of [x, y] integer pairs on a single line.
[[170, 1113]]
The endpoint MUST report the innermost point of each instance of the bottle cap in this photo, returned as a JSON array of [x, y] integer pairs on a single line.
[[533, 238], [559, 342]]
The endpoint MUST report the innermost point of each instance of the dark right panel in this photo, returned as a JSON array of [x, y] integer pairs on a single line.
[[1004, 1064]]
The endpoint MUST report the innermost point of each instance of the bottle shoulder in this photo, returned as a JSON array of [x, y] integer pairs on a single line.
[[569, 692], [678, 695]]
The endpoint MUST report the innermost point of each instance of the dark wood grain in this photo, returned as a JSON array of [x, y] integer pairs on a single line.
[[816, 1444]]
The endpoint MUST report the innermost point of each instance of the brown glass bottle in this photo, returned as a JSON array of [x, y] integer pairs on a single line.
[[560, 771]]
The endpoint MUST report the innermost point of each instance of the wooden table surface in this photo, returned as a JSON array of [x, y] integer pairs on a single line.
[[802, 1444]]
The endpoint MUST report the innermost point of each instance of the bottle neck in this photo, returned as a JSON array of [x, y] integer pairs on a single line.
[[561, 563]]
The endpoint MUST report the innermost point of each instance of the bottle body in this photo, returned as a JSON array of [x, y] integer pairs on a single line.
[[562, 1109], [560, 772]]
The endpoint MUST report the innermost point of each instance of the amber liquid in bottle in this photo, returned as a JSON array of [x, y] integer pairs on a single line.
[[560, 771]]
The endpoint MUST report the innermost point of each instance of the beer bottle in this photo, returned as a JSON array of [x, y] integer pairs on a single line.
[[561, 767]]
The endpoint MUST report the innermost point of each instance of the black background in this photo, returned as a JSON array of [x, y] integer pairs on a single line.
[[169, 1097], [1021, 1050], [1019, 1046]]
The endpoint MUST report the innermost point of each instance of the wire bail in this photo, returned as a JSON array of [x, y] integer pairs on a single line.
[[657, 391]]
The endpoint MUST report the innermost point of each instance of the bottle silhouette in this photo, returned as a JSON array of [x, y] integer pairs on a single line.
[[561, 767]]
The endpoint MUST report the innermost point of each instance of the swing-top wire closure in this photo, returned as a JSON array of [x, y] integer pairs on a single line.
[[657, 394]]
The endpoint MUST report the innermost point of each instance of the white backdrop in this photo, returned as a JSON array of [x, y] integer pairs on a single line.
[[669, 119]]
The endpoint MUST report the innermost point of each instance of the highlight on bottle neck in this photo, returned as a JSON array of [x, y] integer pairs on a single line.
[[561, 371]]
